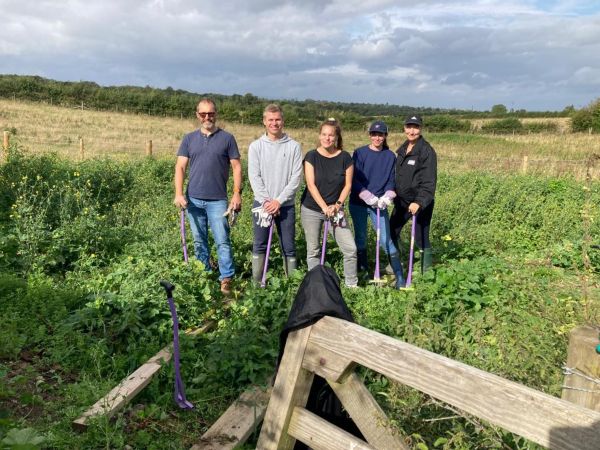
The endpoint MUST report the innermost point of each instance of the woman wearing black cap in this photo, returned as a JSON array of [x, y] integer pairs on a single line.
[[372, 189], [416, 178]]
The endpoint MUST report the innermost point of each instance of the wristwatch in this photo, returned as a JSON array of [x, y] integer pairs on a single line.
[[237, 190], [339, 203]]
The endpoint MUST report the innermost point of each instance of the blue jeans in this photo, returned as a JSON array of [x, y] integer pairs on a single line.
[[205, 213], [359, 215]]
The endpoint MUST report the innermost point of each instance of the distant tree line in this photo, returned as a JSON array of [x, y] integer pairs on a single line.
[[244, 108]]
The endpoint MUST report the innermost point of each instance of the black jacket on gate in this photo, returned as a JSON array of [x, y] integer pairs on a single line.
[[319, 295], [416, 174]]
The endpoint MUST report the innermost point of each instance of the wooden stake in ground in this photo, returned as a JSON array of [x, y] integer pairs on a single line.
[[149, 148], [6, 141], [582, 372]]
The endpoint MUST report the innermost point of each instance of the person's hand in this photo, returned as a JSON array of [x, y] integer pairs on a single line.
[[384, 202], [413, 208], [272, 206], [330, 211], [180, 201], [236, 202]]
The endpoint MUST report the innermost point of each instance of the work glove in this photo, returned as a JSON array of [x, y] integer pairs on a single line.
[[339, 220], [263, 218], [384, 202], [368, 198], [232, 216]]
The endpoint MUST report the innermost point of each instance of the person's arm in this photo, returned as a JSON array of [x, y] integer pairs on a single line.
[[346, 191], [255, 175], [180, 168], [309, 176], [427, 182], [236, 198]]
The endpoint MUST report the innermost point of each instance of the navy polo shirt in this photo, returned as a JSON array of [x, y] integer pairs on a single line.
[[209, 163]]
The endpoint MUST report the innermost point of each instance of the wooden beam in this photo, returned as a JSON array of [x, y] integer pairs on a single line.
[[291, 389], [319, 434], [327, 364], [583, 367], [128, 388], [367, 414], [541, 418], [238, 422]]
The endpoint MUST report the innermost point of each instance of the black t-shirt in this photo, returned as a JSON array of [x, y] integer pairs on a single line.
[[330, 177]]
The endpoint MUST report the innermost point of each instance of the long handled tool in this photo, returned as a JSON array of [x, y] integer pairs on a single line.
[[412, 251], [376, 275], [263, 281], [182, 230], [324, 246], [179, 393]]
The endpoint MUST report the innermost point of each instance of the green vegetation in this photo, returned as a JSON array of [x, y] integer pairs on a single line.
[[245, 108], [83, 246], [587, 118]]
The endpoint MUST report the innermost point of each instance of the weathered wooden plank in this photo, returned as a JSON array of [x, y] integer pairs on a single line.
[[582, 362], [291, 389], [546, 420], [326, 364], [319, 434], [367, 414], [238, 422], [127, 389]]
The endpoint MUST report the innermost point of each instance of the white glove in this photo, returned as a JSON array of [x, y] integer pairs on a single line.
[[263, 218], [384, 202], [372, 201], [339, 220]]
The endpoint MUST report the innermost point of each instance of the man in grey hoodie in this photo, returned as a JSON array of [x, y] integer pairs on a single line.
[[274, 171]]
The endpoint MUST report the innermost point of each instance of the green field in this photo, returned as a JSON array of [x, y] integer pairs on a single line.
[[83, 245]]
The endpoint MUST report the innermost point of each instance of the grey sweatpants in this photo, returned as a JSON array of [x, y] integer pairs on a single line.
[[312, 222]]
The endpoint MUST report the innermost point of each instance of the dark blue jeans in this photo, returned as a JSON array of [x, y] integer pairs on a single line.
[[285, 222]]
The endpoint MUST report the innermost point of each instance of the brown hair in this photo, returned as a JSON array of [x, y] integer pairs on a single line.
[[339, 142]]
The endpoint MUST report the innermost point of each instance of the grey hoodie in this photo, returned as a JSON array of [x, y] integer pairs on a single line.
[[275, 169]]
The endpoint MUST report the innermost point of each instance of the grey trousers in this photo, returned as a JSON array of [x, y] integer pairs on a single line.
[[312, 222]]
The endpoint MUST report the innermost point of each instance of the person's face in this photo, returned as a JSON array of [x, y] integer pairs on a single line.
[[412, 132], [377, 138], [327, 136], [207, 116], [273, 123]]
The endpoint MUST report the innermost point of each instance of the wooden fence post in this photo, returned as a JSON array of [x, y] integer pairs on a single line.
[[582, 372], [525, 164], [149, 148], [81, 149], [6, 140]]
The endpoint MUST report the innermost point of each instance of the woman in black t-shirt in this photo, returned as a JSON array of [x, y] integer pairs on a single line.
[[328, 171]]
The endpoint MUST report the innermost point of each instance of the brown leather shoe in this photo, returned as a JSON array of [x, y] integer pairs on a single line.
[[226, 286]]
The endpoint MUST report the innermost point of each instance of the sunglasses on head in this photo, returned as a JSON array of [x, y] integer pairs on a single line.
[[206, 114]]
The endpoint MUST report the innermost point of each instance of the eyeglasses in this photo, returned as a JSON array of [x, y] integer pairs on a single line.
[[206, 114]]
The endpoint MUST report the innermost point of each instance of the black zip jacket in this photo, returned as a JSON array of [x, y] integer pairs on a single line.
[[416, 174]]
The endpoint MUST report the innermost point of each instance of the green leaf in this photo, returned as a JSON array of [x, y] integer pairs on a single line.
[[24, 439], [440, 441]]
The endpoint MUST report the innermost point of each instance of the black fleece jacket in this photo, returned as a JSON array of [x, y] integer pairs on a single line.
[[416, 174]]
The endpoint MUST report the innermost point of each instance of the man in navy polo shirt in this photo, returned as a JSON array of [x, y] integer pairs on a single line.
[[209, 151]]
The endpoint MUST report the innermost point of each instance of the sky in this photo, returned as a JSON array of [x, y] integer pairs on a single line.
[[530, 54]]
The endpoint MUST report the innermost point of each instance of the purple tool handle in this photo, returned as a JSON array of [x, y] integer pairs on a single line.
[[179, 393], [183, 241], [325, 231], [377, 275], [412, 250], [263, 282]]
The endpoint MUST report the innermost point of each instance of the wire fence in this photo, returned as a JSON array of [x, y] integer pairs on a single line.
[[83, 148]]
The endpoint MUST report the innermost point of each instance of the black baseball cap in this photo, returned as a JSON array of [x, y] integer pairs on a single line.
[[414, 119], [378, 126]]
